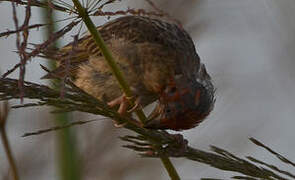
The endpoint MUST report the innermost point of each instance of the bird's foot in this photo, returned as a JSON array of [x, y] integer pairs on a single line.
[[119, 125], [136, 106], [123, 102]]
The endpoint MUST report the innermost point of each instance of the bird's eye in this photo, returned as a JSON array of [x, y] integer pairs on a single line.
[[173, 90], [168, 110]]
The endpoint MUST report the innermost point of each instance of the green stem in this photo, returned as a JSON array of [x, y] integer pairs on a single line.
[[108, 57], [119, 76], [67, 157], [170, 168]]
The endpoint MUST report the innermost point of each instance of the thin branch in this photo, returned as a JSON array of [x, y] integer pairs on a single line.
[[55, 128], [99, 12], [271, 167], [152, 4], [60, 2], [55, 36], [241, 177], [163, 13], [37, 26], [170, 145], [93, 6], [280, 157], [74, 98], [9, 32], [220, 159], [40, 4], [21, 47]]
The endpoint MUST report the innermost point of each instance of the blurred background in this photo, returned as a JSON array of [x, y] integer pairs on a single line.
[[247, 47]]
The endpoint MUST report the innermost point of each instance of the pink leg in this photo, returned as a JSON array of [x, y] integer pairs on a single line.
[[123, 103]]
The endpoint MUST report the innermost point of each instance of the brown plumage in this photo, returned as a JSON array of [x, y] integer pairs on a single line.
[[158, 60]]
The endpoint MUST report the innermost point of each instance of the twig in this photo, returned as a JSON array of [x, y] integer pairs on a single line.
[[55, 128], [221, 159], [170, 145], [99, 12], [152, 4], [163, 13], [271, 167], [40, 4], [55, 36], [9, 32], [280, 157], [22, 47]]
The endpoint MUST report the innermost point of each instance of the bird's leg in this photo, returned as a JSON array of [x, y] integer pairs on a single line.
[[123, 105], [123, 102], [137, 105], [138, 100]]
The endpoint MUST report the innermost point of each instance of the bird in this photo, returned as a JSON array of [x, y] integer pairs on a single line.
[[159, 61]]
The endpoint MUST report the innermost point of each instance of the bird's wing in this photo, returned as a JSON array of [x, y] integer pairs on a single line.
[[130, 29]]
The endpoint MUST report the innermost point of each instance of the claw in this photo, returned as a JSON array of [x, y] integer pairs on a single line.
[[122, 101], [117, 125], [136, 106]]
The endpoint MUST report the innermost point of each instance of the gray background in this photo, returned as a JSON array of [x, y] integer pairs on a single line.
[[248, 48]]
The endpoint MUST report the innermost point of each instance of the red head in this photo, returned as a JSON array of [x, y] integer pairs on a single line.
[[183, 104]]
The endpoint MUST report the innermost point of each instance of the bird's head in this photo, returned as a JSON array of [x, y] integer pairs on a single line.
[[183, 104]]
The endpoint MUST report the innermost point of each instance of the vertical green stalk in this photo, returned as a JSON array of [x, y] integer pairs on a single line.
[[169, 167], [119, 76], [67, 155], [66, 148], [108, 57]]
